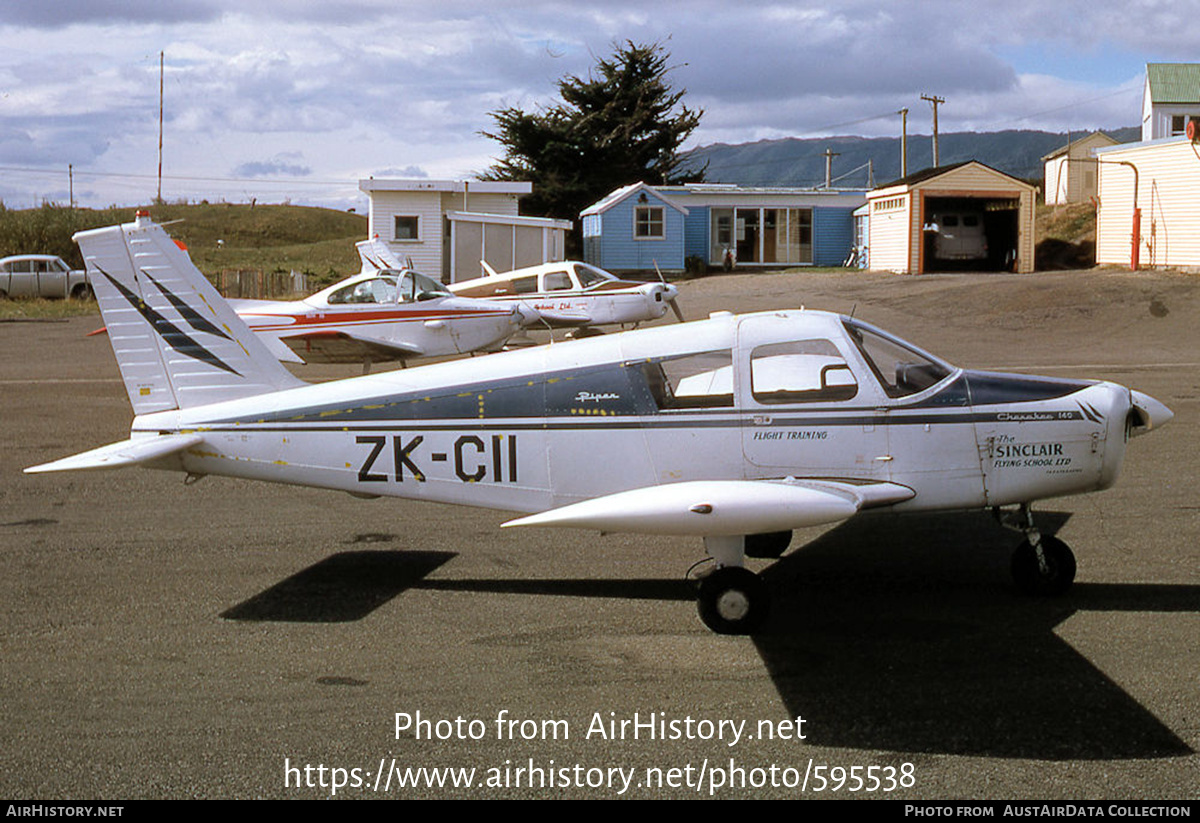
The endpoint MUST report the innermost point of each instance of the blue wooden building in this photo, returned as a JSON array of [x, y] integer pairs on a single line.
[[638, 226]]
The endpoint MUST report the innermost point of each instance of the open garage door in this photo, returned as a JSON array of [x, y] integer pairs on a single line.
[[970, 234]]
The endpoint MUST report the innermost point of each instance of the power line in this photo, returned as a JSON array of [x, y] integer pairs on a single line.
[[290, 181]]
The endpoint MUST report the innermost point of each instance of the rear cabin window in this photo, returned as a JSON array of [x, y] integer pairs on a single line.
[[525, 285], [695, 381], [803, 371]]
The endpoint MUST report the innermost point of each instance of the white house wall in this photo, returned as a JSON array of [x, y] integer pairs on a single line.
[[426, 251], [1168, 182], [888, 232], [1057, 181]]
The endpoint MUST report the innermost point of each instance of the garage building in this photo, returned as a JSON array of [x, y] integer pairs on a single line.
[[963, 217]]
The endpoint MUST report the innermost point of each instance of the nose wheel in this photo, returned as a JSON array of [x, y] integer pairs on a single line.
[[1044, 568], [1042, 565]]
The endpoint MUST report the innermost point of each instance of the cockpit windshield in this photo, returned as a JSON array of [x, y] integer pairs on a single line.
[[415, 286], [590, 276], [900, 368], [390, 286]]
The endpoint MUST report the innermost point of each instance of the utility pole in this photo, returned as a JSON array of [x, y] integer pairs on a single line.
[[160, 123], [934, 99], [903, 142], [71, 183], [829, 155]]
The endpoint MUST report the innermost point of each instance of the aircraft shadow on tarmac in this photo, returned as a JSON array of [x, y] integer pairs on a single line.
[[900, 633], [344, 587], [896, 633]]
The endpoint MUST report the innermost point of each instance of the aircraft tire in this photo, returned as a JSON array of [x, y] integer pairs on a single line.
[[1060, 571], [733, 600], [769, 545]]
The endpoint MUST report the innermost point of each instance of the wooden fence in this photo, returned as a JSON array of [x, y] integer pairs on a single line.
[[259, 285]]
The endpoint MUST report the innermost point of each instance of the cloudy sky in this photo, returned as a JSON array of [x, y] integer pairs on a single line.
[[298, 99]]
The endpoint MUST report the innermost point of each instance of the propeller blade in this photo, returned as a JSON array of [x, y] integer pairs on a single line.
[[678, 312]]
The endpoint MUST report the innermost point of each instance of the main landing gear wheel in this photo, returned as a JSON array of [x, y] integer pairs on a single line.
[[1051, 575], [770, 545], [733, 600]]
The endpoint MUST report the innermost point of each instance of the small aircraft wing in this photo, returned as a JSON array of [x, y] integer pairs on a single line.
[[340, 347], [710, 508], [126, 453]]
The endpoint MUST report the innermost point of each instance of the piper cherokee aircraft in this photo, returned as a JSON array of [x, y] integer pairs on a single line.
[[569, 294], [378, 315], [573, 295], [735, 429]]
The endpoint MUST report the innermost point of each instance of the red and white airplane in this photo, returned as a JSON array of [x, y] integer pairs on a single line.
[[375, 316]]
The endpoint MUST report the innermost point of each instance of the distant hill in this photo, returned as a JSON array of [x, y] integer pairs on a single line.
[[801, 162]]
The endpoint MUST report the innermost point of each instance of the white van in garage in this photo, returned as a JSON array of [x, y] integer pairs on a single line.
[[959, 236]]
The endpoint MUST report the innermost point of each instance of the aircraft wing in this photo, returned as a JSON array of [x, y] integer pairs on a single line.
[[340, 347], [709, 508], [126, 453]]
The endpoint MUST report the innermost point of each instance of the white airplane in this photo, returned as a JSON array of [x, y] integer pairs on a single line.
[[736, 429], [569, 294], [378, 315]]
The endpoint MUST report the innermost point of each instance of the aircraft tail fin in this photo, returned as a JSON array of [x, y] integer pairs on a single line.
[[177, 342], [376, 254]]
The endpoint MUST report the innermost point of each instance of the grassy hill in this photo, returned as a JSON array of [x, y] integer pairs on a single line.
[[268, 238]]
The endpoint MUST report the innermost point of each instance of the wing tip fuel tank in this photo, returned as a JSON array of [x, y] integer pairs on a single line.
[[714, 507]]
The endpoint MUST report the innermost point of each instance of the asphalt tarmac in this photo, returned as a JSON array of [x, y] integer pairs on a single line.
[[238, 640]]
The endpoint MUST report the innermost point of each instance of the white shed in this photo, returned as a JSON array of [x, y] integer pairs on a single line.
[[1161, 178], [421, 221]]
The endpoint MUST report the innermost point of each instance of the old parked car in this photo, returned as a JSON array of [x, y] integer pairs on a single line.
[[41, 275]]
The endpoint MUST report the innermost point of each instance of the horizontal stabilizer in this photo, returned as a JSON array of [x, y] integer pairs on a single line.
[[721, 507], [126, 453], [376, 255]]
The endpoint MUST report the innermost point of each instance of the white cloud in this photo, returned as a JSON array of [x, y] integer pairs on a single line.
[[358, 85]]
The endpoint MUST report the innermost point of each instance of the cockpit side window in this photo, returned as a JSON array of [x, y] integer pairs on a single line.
[[802, 371], [556, 281], [901, 370], [374, 290], [695, 381]]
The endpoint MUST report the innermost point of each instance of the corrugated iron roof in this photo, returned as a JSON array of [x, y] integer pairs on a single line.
[[1174, 82]]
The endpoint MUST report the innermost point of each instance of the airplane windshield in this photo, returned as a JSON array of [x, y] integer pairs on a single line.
[[901, 369], [590, 276], [415, 286]]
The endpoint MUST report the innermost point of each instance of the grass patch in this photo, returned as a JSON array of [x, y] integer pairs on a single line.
[[41, 309]]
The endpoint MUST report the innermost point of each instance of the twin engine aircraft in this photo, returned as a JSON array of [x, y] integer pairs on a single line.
[[734, 429], [377, 316]]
